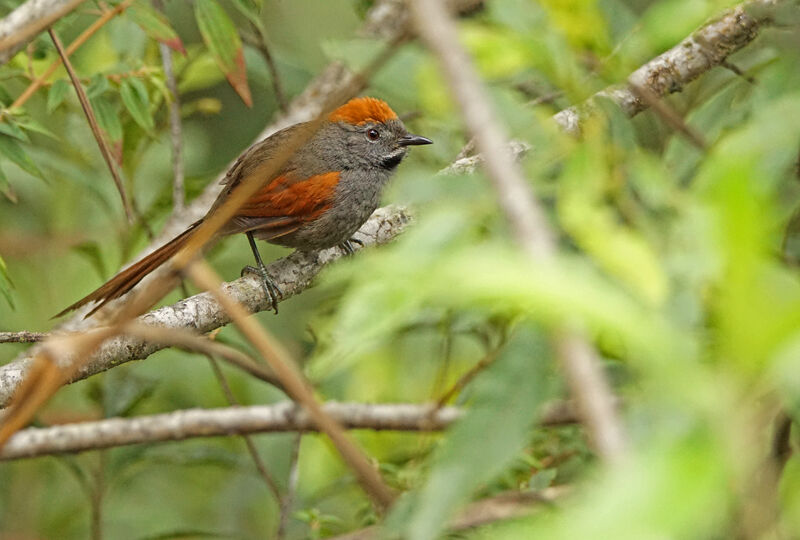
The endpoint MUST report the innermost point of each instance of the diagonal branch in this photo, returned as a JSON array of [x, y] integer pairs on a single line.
[[95, 127], [200, 313], [709, 46]]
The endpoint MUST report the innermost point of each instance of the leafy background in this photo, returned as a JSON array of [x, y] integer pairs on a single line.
[[679, 262]]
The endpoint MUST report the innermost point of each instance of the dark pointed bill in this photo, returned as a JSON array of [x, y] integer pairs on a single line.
[[413, 140]]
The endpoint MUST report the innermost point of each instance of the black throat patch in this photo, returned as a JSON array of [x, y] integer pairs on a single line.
[[392, 161]]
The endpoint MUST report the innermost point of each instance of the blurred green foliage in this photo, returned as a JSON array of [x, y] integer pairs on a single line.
[[679, 263]]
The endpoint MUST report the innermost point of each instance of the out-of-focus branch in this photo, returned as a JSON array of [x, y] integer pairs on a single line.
[[200, 313], [671, 71], [508, 505], [280, 417], [667, 73], [580, 363], [175, 129], [24, 23]]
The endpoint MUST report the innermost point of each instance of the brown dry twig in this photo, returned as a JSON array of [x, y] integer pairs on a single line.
[[296, 385], [98, 135]]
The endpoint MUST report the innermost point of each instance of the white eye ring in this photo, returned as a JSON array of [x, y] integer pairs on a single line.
[[373, 134]]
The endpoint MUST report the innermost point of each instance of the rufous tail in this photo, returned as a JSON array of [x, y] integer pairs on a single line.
[[128, 278]]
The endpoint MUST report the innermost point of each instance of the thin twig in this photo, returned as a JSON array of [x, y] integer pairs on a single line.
[[175, 127], [734, 68], [259, 41], [98, 135], [467, 377], [248, 440], [288, 500], [581, 365], [97, 492], [187, 340], [669, 115]]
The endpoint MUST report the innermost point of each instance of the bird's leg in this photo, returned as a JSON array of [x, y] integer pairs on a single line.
[[270, 288], [347, 245]]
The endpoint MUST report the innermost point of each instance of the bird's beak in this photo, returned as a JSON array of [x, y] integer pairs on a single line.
[[413, 140]]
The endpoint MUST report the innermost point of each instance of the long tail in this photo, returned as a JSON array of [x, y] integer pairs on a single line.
[[128, 278]]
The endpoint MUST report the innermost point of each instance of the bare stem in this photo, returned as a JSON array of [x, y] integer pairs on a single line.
[[98, 135]]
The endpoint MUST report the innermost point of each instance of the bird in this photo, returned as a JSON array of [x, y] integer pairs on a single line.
[[318, 199]]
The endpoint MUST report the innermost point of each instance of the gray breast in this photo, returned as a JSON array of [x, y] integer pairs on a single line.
[[357, 196]]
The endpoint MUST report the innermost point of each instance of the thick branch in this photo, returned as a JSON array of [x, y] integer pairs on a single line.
[[201, 313], [21, 25], [280, 417]]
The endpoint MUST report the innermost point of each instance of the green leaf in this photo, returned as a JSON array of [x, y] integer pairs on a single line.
[[6, 188], [201, 73], [221, 38], [107, 118], [57, 94], [97, 86], [14, 152], [32, 125], [134, 96], [511, 389], [5, 283], [155, 25], [10, 127]]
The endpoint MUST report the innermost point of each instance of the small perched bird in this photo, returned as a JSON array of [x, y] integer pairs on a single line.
[[320, 197]]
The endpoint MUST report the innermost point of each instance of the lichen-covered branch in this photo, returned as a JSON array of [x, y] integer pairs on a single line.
[[279, 417], [671, 71], [201, 313], [667, 73]]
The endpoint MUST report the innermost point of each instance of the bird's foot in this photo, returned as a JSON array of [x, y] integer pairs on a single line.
[[347, 245], [271, 289]]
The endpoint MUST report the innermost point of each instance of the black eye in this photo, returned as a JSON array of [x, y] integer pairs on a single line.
[[373, 134]]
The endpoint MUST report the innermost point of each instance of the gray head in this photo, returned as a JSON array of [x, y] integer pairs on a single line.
[[373, 135]]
